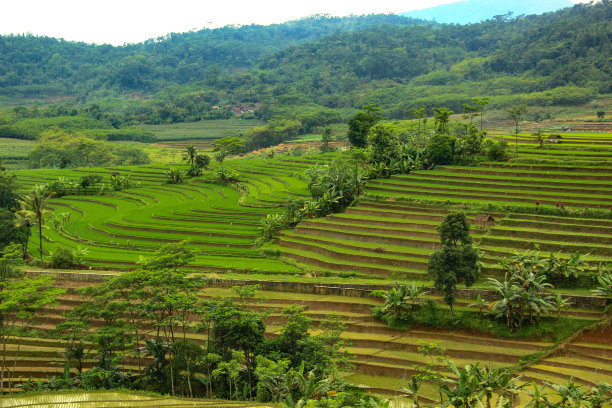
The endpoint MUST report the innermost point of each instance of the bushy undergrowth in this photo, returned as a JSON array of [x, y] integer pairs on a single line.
[[431, 315]]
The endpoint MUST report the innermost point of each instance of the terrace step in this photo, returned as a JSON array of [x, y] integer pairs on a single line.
[[552, 236], [533, 173], [348, 226], [477, 190], [377, 260], [380, 239], [574, 169], [499, 241], [408, 182], [546, 182]]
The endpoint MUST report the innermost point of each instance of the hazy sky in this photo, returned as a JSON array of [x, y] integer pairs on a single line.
[[128, 21]]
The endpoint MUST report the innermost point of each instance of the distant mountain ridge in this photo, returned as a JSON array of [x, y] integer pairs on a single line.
[[473, 11]]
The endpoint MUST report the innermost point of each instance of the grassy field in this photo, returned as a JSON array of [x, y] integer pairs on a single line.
[[14, 153], [205, 129], [388, 235], [221, 221]]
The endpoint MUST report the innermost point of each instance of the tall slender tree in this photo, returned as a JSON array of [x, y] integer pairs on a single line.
[[33, 208], [516, 113]]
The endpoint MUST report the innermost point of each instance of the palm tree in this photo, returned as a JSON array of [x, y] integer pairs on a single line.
[[190, 154], [33, 208]]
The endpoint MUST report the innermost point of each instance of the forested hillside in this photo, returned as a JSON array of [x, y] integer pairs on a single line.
[[34, 66], [322, 64]]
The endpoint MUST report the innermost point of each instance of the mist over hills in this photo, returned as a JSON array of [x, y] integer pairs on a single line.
[[474, 11]]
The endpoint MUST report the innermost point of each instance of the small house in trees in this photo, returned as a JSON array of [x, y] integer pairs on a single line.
[[484, 220], [554, 138]]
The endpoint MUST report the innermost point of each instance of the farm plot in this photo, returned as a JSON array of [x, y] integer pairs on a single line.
[[221, 222], [575, 187], [587, 359], [379, 350], [95, 399], [394, 239], [202, 130]]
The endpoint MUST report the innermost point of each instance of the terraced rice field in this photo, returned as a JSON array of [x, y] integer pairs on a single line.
[[588, 359], [381, 352], [111, 399], [395, 239], [221, 221]]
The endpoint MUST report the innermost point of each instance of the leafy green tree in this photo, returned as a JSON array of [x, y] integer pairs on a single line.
[[522, 294], [227, 146], [516, 114], [395, 301], [276, 376], [539, 136], [457, 261], [8, 191], [440, 149], [34, 206], [75, 331], [13, 229], [441, 120], [360, 125], [334, 345], [232, 369], [480, 105], [383, 145], [20, 302], [10, 261], [326, 138], [497, 151], [238, 328]]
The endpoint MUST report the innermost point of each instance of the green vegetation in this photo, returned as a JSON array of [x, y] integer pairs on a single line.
[[154, 186]]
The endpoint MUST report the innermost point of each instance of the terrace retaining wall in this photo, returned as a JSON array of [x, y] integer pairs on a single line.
[[338, 289]]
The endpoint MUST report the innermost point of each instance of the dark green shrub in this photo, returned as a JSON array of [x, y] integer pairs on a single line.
[[62, 258], [440, 149], [497, 151]]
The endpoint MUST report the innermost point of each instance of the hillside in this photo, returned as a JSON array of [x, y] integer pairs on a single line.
[[474, 11], [35, 66], [559, 58]]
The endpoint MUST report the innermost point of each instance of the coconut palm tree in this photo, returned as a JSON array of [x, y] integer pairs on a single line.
[[33, 209], [190, 154]]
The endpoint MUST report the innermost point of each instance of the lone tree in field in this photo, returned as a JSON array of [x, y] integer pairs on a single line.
[[33, 208], [226, 146], [516, 113], [457, 261]]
